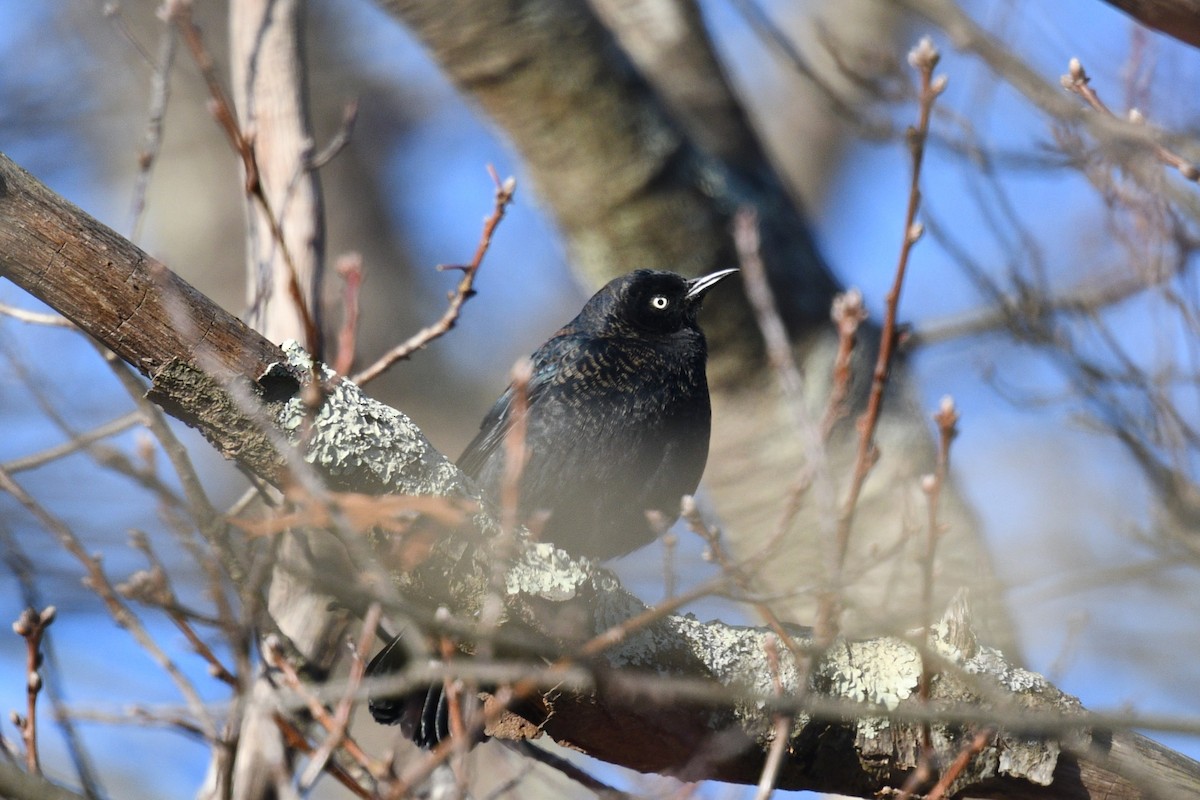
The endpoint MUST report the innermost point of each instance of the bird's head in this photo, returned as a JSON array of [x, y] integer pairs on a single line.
[[649, 301]]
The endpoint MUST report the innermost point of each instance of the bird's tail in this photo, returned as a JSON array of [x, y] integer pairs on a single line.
[[423, 715]]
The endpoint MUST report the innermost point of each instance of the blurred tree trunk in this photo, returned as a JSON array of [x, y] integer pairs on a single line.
[[284, 264], [629, 187]]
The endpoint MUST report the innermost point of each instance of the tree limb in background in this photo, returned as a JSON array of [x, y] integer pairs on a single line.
[[1178, 18]]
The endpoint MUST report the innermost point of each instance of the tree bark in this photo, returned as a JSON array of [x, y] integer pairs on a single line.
[[1178, 18]]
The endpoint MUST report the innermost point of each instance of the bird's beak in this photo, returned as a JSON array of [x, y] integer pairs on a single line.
[[698, 287]]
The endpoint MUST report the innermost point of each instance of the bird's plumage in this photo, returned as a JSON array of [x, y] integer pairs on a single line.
[[618, 425]]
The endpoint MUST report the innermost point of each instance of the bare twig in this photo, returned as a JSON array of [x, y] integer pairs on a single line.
[[273, 652], [180, 12], [740, 574], [923, 58], [22, 569], [340, 139], [769, 32], [76, 443], [779, 352], [782, 731], [154, 586], [848, 314], [35, 317], [98, 581], [528, 686], [946, 418], [341, 714], [462, 293], [31, 626], [160, 92], [516, 454], [294, 738], [969, 751], [349, 269], [1077, 81]]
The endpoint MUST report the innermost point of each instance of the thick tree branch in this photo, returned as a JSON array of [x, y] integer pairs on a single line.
[[1178, 18]]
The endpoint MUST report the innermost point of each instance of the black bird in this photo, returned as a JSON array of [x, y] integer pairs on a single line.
[[617, 425]]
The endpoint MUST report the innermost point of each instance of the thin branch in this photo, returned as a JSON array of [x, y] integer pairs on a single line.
[[274, 653], [969, 751], [528, 686], [462, 293], [22, 568], [35, 317], [779, 353], [946, 418], [154, 587], [782, 729], [349, 268], [180, 12], [294, 739], [76, 443], [31, 626], [160, 93], [340, 139], [1077, 81], [341, 715], [923, 58], [98, 582]]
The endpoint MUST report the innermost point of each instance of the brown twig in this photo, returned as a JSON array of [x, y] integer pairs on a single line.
[[153, 586], [1077, 81], [969, 751], [738, 573], [31, 626], [848, 313], [932, 485], [97, 580], [782, 731], [516, 454], [349, 269], [160, 93], [341, 714], [275, 656], [180, 13], [924, 59], [946, 418], [462, 293], [294, 739]]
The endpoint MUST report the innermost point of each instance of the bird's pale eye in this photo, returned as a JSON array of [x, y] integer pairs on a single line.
[[659, 302]]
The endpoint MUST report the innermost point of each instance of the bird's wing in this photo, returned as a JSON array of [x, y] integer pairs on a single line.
[[546, 363]]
